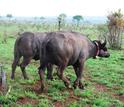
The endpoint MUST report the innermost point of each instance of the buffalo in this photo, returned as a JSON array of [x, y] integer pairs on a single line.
[[68, 48], [27, 46]]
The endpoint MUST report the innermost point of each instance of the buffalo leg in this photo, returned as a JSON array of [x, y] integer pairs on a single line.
[[24, 63], [61, 76], [41, 74], [49, 71], [15, 63], [78, 71]]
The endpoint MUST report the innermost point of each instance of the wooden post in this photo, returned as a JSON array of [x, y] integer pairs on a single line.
[[2, 77]]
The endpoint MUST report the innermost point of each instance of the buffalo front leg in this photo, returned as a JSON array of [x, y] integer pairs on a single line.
[[78, 71], [61, 76], [24, 63]]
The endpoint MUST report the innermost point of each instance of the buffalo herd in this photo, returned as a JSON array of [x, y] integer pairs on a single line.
[[60, 48]]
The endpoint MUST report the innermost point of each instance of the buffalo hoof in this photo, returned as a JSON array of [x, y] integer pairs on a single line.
[[12, 77], [81, 86], [43, 90], [50, 78], [75, 86], [26, 78]]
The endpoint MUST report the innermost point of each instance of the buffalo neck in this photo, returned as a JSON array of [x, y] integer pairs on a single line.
[[94, 50]]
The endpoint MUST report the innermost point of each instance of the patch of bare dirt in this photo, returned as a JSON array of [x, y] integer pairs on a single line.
[[113, 105], [101, 87], [26, 100], [71, 98], [120, 97], [58, 104], [1, 105], [35, 87]]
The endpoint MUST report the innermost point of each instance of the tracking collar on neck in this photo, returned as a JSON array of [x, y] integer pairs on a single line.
[[97, 49]]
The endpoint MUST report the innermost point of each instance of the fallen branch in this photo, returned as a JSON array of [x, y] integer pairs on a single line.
[[8, 91]]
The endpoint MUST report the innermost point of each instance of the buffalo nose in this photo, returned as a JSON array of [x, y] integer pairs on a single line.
[[107, 55]]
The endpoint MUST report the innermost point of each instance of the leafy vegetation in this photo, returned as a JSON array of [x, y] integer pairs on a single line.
[[116, 28]]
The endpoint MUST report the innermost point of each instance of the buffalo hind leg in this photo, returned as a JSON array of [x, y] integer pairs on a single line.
[[41, 74], [49, 71], [24, 63], [78, 67], [61, 76], [14, 64]]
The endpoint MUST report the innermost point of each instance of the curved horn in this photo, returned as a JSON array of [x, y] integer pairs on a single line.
[[18, 33], [104, 43]]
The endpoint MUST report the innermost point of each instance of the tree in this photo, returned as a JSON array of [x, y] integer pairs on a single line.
[[61, 20], [116, 28], [9, 16], [42, 18], [102, 31], [78, 19]]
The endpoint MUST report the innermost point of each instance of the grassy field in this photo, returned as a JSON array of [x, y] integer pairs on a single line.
[[103, 80]]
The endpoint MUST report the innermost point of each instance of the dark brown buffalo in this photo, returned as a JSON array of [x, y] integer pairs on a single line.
[[27, 46], [69, 48]]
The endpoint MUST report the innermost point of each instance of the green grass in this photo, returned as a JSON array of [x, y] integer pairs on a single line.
[[103, 80]]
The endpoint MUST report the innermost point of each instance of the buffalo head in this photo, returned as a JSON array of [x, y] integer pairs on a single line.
[[101, 49]]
